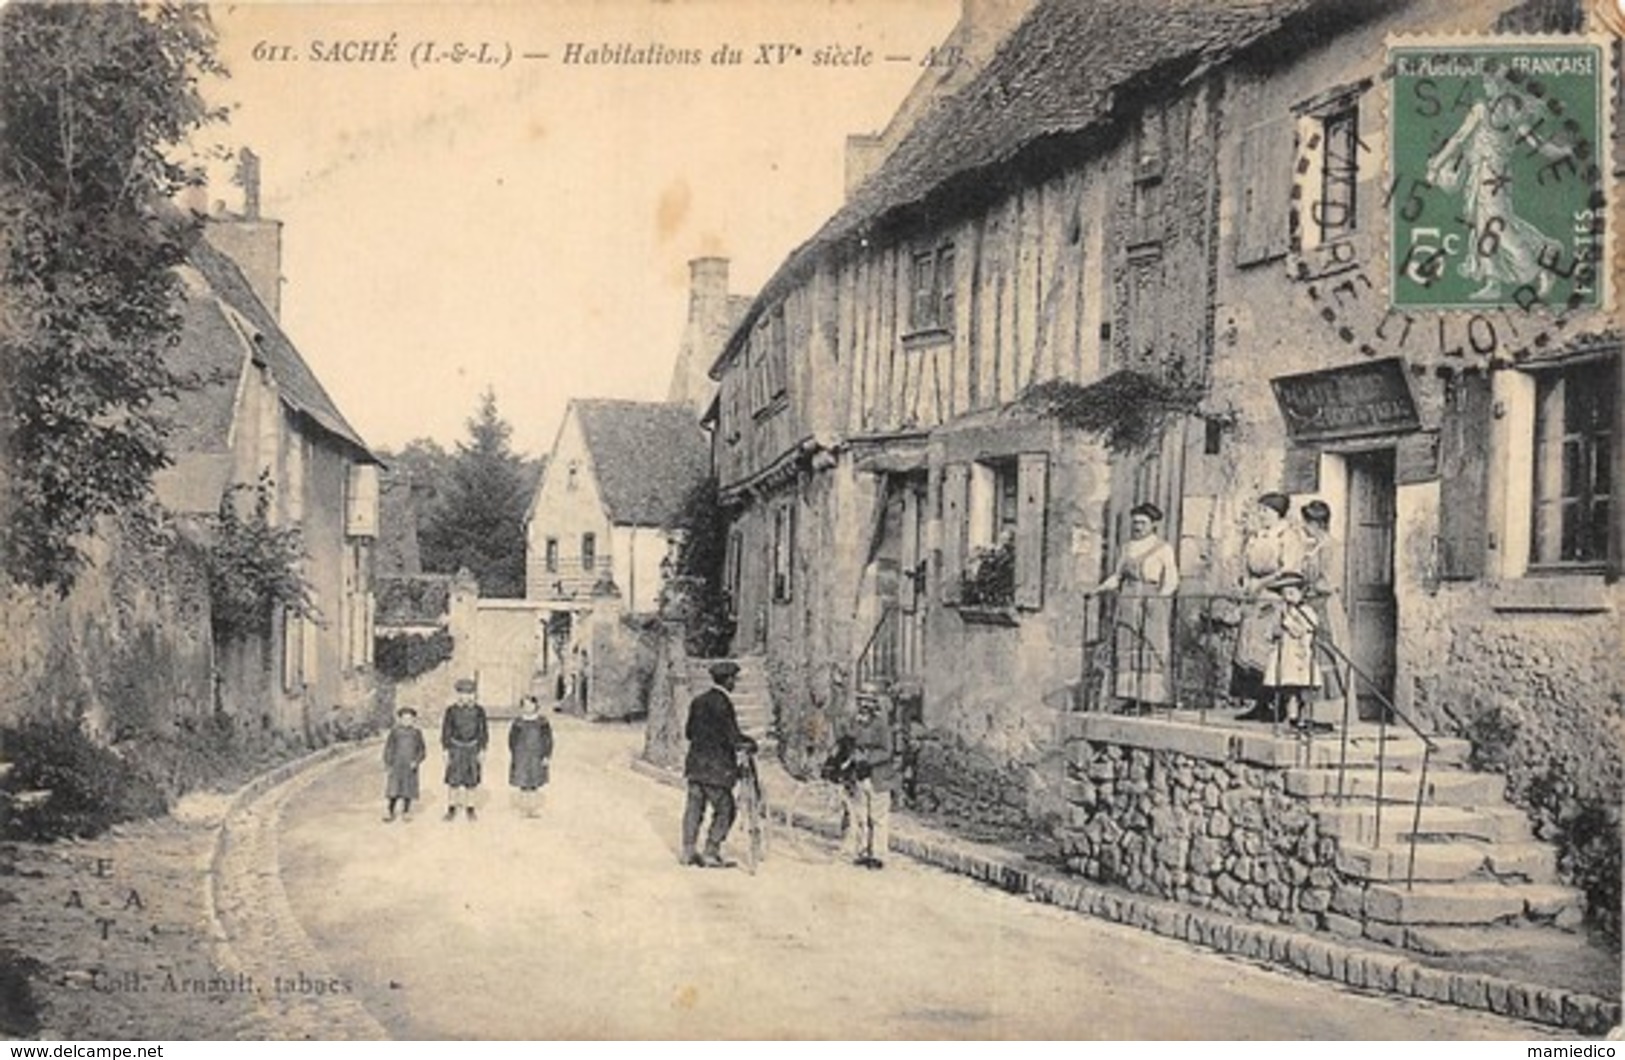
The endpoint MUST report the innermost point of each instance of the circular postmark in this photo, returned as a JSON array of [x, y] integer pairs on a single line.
[[1494, 198]]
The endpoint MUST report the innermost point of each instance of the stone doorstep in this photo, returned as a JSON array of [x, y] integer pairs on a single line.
[[1261, 745], [1358, 823], [1466, 903], [1444, 788]]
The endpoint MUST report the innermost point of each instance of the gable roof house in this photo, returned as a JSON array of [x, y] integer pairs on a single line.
[[257, 420], [617, 476], [912, 419]]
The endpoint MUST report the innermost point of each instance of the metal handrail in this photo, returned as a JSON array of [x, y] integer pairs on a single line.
[[866, 658], [1428, 747], [1175, 659]]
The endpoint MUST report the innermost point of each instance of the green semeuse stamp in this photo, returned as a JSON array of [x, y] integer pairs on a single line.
[[1499, 175]]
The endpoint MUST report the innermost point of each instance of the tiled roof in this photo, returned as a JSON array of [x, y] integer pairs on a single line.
[[209, 356], [1071, 68], [297, 384], [646, 457]]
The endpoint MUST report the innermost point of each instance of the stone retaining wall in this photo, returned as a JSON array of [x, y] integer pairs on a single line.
[[1216, 835]]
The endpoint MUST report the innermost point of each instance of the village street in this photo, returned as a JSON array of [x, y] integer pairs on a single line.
[[580, 924]]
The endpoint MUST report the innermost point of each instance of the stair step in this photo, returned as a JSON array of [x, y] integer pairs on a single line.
[[1444, 787], [1435, 862], [1357, 823], [1534, 862], [1465, 903], [1403, 755]]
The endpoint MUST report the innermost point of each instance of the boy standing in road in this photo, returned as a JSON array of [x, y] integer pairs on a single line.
[[464, 734]]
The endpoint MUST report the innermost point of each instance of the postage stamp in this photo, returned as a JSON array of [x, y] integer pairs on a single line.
[[1498, 155]]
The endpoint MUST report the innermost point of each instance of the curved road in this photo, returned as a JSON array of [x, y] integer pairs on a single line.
[[580, 924]]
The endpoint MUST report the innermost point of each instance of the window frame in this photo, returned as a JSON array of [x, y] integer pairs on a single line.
[[932, 290], [589, 551], [1316, 118], [1551, 387], [784, 563], [550, 555]]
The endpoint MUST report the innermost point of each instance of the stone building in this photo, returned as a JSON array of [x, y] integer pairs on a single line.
[[1169, 202], [261, 419]]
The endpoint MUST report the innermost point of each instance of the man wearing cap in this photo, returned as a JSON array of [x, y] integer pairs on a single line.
[[712, 767], [867, 797], [464, 734]]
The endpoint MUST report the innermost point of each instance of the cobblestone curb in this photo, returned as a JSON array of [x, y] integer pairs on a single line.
[[1309, 953], [249, 920]]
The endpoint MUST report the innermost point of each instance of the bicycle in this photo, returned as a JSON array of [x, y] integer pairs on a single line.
[[813, 819], [754, 810]]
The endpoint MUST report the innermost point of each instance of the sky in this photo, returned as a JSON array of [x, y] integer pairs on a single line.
[[526, 227]]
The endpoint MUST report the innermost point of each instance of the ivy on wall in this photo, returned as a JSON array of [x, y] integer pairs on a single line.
[[403, 656], [254, 568]]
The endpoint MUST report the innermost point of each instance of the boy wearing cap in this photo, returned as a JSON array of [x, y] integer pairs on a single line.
[[403, 753], [464, 734], [712, 766], [867, 797]]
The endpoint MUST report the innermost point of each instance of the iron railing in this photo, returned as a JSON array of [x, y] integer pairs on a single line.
[[877, 664], [1167, 653]]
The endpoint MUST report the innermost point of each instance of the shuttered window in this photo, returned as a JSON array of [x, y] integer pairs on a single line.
[[999, 507]]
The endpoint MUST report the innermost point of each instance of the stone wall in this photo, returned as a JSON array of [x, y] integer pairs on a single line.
[[126, 652], [1216, 835], [670, 690]]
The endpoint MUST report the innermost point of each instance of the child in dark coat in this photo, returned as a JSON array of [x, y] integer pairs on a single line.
[[530, 748], [403, 753]]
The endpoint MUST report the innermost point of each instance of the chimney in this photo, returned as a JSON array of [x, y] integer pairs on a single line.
[[255, 244], [248, 177], [707, 290], [985, 23], [706, 331], [864, 153]]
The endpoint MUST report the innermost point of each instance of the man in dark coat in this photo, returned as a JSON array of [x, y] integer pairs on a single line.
[[712, 766], [464, 734]]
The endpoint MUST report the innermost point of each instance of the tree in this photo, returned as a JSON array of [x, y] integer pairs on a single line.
[[95, 104], [478, 520]]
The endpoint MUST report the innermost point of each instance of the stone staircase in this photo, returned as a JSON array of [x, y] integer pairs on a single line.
[[752, 704], [1478, 879]]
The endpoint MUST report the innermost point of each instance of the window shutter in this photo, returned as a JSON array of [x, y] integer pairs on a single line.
[[1464, 477], [1263, 184], [908, 586], [309, 663], [955, 490], [292, 650], [1032, 485]]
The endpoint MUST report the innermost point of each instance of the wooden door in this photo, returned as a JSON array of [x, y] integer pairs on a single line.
[[1373, 611], [911, 570]]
